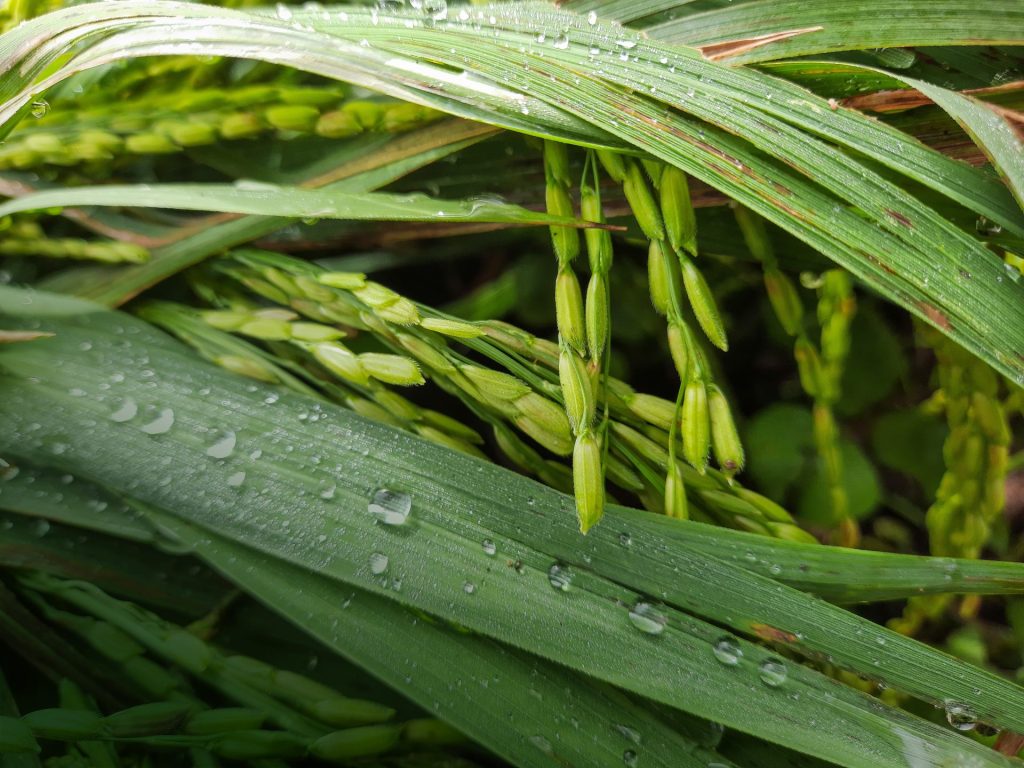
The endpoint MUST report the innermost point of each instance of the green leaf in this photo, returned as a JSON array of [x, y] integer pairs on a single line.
[[909, 441], [859, 480], [258, 199], [439, 550], [779, 440], [849, 26]]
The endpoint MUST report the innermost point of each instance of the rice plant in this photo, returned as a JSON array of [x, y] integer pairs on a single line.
[[425, 384]]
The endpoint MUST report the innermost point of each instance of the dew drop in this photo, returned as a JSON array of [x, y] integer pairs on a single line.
[[378, 563], [627, 44], [592, 18], [648, 618], [390, 507], [727, 651], [960, 716], [629, 759], [40, 108], [625, 539], [236, 479], [40, 528], [161, 424], [561, 42], [223, 448], [560, 577], [284, 13], [489, 547], [469, 587], [128, 410], [772, 672]]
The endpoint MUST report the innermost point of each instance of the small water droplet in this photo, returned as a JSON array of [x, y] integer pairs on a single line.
[[327, 491], [223, 448], [236, 479], [542, 744], [40, 108], [627, 44], [727, 651], [561, 42], [772, 672], [625, 539], [284, 13], [960, 716], [469, 587], [592, 18], [489, 547], [560, 577], [40, 528], [648, 618], [128, 410], [161, 424], [390, 507], [629, 759], [378, 563]]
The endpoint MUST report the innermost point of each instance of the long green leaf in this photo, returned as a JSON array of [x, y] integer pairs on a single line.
[[438, 555], [294, 202], [849, 26]]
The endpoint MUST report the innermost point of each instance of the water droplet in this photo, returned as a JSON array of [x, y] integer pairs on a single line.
[[627, 732], [489, 547], [592, 18], [40, 108], [40, 528], [625, 539], [223, 447], [772, 672], [128, 410], [627, 44], [378, 563], [327, 491], [775, 569], [960, 716], [390, 507], [161, 424], [284, 13], [727, 651], [236, 479], [469, 587], [542, 744], [630, 759], [561, 42], [648, 618], [560, 577]]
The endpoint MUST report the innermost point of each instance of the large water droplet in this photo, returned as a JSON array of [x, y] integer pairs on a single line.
[[40, 528], [648, 618], [378, 563], [561, 42], [961, 716], [727, 651], [560, 577], [469, 587], [223, 447], [236, 479], [40, 108], [128, 410], [772, 672], [161, 424], [592, 18], [390, 507], [489, 547]]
